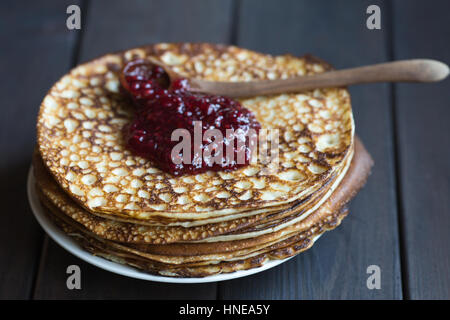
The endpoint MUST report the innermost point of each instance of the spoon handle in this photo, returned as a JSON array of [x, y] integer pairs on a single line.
[[417, 70]]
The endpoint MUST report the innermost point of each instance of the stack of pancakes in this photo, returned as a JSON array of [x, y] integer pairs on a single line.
[[123, 208]]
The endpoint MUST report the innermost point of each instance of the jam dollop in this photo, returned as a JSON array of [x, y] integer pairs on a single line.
[[162, 107]]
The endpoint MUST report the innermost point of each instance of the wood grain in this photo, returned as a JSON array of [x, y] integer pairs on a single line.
[[35, 50], [117, 25], [422, 121], [335, 268], [100, 284]]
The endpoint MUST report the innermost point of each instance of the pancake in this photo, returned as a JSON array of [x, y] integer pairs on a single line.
[[192, 259], [189, 270], [132, 232], [182, 254], [122, 207], [79, 137]]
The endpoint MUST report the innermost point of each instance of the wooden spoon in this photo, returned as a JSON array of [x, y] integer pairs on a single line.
[[417, 70]]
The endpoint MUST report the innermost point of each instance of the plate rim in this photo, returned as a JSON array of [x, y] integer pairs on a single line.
[[75, 249]]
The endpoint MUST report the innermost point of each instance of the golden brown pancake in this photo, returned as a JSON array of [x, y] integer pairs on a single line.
[[135, 233], [80, 141], [122, 207], [98, 247], [197, 256]]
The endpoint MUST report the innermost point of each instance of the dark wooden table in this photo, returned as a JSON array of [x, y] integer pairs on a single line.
[[399, 222]]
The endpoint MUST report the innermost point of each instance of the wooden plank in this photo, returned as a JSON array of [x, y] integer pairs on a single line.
[[36, 49], [116, 25], [100, 284], [335, 268], [422, 117]]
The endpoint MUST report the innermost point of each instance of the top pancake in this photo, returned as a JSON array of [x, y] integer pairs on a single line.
[[80, 140]]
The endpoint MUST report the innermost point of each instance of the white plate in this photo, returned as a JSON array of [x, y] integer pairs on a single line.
[[73, 247]]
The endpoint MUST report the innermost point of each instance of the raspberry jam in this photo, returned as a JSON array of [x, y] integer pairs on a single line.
[[162, 108]]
